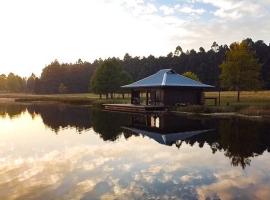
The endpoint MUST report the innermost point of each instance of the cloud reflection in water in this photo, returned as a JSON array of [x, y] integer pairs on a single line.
[[37, 164]]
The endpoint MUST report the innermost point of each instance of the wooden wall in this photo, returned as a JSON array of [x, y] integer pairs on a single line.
[[188, 96], [169, 96]]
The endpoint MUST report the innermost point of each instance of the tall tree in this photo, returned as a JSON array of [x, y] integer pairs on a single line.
[[108, 77], [15, 83], [201, 50], [215, 47], [240, 70], [178, 51], [3, 82], [30, 83], [75, 76]]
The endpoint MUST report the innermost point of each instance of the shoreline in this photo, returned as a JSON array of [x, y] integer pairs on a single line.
[[224, 115], [255, 112]]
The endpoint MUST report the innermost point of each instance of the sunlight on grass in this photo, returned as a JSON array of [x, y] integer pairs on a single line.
[[246, 98]]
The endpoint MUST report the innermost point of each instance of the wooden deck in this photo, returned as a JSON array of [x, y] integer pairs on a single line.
[[133, 108]]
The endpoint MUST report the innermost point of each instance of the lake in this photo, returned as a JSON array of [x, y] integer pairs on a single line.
[[54, 151]]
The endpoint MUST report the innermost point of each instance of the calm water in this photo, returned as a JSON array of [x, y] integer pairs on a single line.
[[68, 152]]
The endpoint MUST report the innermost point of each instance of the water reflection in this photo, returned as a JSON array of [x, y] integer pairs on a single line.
[[239, 139], [152, 156], [12, 110], [166, 129]]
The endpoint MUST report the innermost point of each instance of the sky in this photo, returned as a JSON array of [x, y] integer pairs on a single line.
[[33, 33]]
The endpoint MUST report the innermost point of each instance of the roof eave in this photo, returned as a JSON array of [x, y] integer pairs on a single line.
[[162, 86]]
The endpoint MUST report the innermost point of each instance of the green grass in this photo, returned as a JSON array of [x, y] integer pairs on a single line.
[[80, 99], [246, 98], [227, 98], [251, 103], [26, 95]]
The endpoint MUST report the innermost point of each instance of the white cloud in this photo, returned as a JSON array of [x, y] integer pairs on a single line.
[[185, 9], [232, 184], [71, 166], [230, 9], [189, 10], [33, 33], [167, 10]]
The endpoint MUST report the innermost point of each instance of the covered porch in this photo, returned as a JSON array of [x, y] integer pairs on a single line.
[[147, 97]]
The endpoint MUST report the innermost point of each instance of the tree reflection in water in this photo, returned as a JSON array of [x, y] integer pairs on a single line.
[[239, 139]]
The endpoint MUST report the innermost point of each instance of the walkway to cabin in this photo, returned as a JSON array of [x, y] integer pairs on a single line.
[[133, 108]]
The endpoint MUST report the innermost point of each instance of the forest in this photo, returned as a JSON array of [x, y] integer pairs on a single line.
[[78, 77]]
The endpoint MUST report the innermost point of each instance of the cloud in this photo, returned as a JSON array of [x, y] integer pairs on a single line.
[[232, 10], [189, 10], [35, 33], [81, 171], [66, 169], [228, 21], [234, 184], [136, 7], [181, 9], [167, 10]]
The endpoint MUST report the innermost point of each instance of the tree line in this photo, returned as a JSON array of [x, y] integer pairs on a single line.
[[80, 77], [12, 83]]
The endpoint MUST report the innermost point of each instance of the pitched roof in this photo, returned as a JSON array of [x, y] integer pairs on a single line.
[[166, 78], [167, 139]]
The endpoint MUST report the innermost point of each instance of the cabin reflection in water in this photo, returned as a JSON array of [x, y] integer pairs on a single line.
[[239, 139], [166, 129]]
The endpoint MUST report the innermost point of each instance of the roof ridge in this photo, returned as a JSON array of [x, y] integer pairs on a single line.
[[164, 78]]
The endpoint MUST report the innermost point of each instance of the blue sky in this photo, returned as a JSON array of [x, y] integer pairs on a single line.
[[33, 33]]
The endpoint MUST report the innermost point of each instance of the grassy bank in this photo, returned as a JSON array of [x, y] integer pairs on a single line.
[[259, 110], [246, 99], [251, 103], [79, 99]]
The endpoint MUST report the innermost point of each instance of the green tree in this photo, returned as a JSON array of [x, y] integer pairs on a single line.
[[3, 82], [30, 83], [241, 69], [124, 79], [75, 76], [108, 77], [191, 75], [15, 83]]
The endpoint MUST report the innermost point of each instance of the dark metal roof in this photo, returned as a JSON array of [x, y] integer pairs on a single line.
[[166, 78]]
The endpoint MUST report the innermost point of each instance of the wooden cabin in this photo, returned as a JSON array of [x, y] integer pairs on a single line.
[[167, 88]]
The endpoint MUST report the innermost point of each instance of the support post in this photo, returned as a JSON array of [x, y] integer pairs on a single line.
[[147, 97], [219, 96], [132, 97]]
